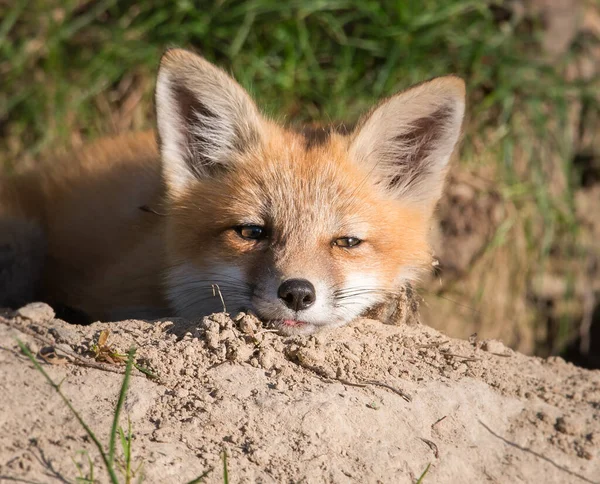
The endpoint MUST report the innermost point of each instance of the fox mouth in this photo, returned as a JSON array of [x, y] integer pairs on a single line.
[[281, 323], [291, 326]]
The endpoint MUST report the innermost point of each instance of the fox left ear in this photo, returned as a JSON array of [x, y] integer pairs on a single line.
[[410, 137], [205, 119]]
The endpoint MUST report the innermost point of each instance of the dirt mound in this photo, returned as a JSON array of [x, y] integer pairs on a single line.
[[367, 402]]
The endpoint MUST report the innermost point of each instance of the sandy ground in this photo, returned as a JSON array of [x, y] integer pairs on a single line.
[[364, 403]]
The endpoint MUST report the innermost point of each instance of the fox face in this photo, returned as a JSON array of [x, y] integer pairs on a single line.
[[307, 231]]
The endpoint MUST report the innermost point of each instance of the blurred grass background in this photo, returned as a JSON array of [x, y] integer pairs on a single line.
[[72, 70]]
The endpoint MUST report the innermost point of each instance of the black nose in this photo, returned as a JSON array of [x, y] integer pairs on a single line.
[[297, 294]]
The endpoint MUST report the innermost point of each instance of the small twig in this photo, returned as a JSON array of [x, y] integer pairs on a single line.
[[438, 421], [539, 455], [465, 358], [218, 289], [439, 368], [397, 391], [432, 345], [432, 446], [362, 384], [321, 374], [349, 383], [77, 359]]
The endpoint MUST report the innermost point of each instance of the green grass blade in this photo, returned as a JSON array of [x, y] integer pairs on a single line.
[[200, 478], [120, 402], [126, 443], [9, 20], [109, 467], [225, 471], [420, 480]]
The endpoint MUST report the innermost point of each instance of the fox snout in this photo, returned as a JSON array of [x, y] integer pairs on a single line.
[[297, 294], [293, 301]]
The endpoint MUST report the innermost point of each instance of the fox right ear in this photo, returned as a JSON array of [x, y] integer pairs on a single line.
[[409, 138], [205, 118]]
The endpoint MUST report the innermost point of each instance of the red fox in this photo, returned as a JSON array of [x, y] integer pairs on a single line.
[[307, 229]]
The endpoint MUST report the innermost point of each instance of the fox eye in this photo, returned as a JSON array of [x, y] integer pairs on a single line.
[[250, 232], [347, 242]]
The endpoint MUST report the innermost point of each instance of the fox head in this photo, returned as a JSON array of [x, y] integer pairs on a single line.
[[305, 231]]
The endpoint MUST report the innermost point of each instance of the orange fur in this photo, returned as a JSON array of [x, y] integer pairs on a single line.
[[104, 253], [111, 259]]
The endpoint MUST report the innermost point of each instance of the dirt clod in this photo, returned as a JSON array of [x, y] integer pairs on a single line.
[[36, 311]]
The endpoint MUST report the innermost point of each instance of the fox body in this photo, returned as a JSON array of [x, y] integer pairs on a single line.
[[306, 229]]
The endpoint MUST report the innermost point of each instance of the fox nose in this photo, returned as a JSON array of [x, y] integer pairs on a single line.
[[297, 294]]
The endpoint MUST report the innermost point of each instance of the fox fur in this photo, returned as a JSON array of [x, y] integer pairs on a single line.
[[145, 226]]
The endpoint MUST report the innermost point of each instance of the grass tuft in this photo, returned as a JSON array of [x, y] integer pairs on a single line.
[[108, 458], [105, 457]]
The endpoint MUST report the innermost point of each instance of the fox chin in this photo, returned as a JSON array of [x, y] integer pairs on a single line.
[[225, 207]]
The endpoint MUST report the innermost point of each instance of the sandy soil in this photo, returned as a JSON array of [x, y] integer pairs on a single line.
[[364, 403]]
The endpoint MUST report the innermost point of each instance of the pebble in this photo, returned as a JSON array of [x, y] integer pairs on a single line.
[[494, 346], [36, 311]]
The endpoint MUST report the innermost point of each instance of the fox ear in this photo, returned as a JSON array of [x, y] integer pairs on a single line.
[[205, 118], [409, 138]]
